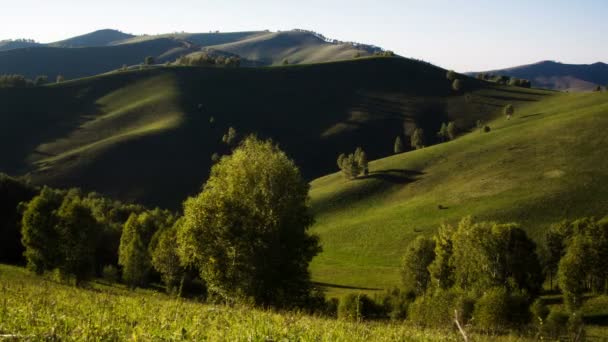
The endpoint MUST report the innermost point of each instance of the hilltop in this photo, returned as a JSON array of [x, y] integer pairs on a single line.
[[560, 76], [106, 50]]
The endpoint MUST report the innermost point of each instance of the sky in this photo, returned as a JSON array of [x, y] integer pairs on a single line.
[[464, 35]]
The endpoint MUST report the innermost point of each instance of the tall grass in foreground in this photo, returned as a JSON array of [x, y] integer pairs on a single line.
[[34, 308]]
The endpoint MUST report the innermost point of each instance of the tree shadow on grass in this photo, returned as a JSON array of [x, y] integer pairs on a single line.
[[395, 176], [596, 319], [337, 286], [531, 115]]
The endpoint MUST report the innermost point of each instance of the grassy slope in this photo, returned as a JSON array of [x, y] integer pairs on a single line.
[[542, 166], [140, 135], [298, 47], [34, 308]]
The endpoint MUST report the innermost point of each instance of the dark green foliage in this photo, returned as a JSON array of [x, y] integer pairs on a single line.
[[208, 59], [443, 133], [110, 274], [60, 232], [555, 325], [417, 139], [458, 85], [451, 75], [165, 258], [149, 60], [398, 147], [59, 79], [442, 268], [215, 157], [285, 61], [40, 80], [416, 260], [12, 192], [487, 129], [451, 130], [435, 309], [573, 271], [598, 89], [395, 303], [491, 310], [230, 137], [246, 232], [354, 164], [14, 81], [359, 307], [133, 253]]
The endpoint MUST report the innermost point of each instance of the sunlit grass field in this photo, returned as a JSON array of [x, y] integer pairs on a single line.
[[36, 308], [544, 165]]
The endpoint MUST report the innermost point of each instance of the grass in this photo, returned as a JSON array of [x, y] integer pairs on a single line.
[[542, 166], [146, 135], [35, 308]]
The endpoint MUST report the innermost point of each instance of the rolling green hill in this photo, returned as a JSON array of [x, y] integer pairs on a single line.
[[296, 46], [544, 165], [93, 39], [146, 135]]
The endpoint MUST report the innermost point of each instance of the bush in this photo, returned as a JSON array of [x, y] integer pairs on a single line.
[[358, 307], [434, 310], [539, 311], [492, 310], [395, 303], [110, 274], [487, 129], [555, 325]]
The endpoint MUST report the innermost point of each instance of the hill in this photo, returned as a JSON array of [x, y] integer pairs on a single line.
[[98, 38], [86, 61], [295, 46], [107, 50], [146, 135], [536, 169], [559, 76]]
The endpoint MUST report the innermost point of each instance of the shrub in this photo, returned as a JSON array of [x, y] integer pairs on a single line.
[[492, 310], [539, 311], [395, 303], [458, 85], [398, 146], [487, 129], [358, 307], [434, 309], [555, 325], [417, 139], [419, 254]]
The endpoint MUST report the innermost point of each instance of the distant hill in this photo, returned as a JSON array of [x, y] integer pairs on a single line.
[[17, 44], [86, 61], [559, 76], [107, 50], [146, 135], [297, 47], [93, 39]]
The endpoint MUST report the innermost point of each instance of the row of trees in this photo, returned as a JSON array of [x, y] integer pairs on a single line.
[[245, 235], [205, 59], [354, 164], [505, 80], [20, 81]]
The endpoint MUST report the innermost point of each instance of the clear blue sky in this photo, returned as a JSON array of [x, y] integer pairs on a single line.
[[464, 35]]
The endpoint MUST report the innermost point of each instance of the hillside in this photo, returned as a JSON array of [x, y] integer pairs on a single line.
[[541, 167], [106, 50], [295, 46], [559, 76], [86, 61], [98, 38], [146, 135]]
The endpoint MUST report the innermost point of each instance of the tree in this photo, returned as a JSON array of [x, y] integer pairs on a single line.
[[133, 252], [441, 270], [12, 192], [247, 231], [165, 259], [457, 85], [451, 130], [443, 132], [60, 232], [508, 111], [286, 61], [417, 139], [230, 137], [598, 88], [398, 147], [479, 125], [41, 80], [573, 271], [451, 75], [416, 260], [352, 165], [149, 60], [362, 160], [59, 79]]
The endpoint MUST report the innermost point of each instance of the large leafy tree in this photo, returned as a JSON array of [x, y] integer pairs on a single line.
[[416, 260], [247, 231]]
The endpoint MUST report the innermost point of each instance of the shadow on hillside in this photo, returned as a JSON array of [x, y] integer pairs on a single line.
[[524, 92], [596, 320], [395, 176], [337, 286], [510, 98], [530, 115]]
